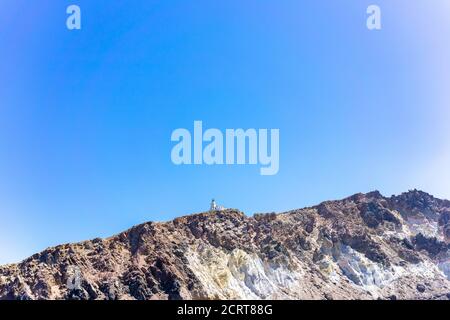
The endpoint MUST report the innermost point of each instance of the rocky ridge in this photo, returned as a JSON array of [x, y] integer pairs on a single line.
[[363, 247]]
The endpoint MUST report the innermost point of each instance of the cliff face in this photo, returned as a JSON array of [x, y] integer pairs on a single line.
[[363, 247]]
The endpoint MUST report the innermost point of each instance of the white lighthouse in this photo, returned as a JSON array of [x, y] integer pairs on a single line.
[[214, 207]]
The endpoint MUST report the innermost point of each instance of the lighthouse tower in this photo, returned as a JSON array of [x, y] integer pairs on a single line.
[[213, 206]]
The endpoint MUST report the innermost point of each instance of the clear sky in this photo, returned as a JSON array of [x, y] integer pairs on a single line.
[[86, 116]]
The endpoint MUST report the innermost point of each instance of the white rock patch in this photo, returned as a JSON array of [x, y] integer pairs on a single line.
[[240, 275]]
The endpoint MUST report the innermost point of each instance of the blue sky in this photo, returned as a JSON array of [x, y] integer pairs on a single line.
[[86, 116]]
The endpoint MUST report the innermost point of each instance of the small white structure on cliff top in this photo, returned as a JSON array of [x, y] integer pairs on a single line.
[[215, 208]]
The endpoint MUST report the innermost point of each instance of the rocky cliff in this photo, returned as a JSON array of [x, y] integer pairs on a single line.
[[363, 247]]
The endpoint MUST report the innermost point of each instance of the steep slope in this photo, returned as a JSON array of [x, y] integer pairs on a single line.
[[363, 247]]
